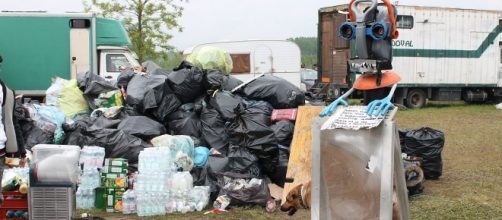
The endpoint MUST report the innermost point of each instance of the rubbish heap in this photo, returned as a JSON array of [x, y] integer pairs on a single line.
[[186, 125]]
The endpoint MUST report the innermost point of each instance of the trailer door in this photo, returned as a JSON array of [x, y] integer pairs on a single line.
[[334, 51]]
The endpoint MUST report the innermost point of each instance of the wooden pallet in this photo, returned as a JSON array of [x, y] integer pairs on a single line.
[[300, 157]]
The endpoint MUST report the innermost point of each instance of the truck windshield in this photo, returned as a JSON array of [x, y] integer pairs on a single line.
[[116, 62]]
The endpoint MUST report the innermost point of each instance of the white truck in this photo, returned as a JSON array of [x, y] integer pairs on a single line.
[[441, 54], [251, 58]]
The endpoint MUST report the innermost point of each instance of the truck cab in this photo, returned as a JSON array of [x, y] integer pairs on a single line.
[[112, 60]]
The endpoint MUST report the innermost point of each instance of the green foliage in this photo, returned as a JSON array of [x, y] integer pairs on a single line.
[[172, 61], [148, 23], [308, 47]]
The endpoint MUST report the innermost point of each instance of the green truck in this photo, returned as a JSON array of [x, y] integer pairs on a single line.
[[36, 47]]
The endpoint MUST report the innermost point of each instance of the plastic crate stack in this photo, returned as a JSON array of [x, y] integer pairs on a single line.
[[91, 161]]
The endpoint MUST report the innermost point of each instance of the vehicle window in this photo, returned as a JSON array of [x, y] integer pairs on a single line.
[[405, 21], [116, 62]]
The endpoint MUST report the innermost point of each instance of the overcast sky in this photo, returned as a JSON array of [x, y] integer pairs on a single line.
[[218, 20]]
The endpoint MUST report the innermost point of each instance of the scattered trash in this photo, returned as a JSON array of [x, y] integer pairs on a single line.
[[499, 106]]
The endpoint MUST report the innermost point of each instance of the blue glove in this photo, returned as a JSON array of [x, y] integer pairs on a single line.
[[379, 107], [332, 107]]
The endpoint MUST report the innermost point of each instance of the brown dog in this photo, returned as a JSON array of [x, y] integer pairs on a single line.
[[298, 197]]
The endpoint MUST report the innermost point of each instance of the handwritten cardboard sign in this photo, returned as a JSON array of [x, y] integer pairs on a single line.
[[352, 118]]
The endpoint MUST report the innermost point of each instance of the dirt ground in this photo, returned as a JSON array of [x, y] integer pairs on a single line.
[[471, 185]]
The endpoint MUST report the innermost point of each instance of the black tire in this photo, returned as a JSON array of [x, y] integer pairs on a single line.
[[416, 98]]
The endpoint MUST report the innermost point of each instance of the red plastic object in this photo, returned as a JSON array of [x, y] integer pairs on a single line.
[[13, 201], [284, 114]]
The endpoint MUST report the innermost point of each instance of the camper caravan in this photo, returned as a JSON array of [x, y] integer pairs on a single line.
[[441, 54], [251, 58]]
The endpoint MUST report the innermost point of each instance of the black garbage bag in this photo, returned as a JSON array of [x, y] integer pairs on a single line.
[[124, 77], [199, 175], [252, 126], [33, 135], [226, 103], [250, 194], [142, 127], [117, 143], [102, 123], [150, 94], [187, 82], [199, 104], [217, 80], [213, 80], [268, 158], [277, 91], [426, 143], [215, 164], [240, 160], [213, 127], [92, 84], [230, 83], [151, 67], [185, 121], [278, 176], [283, 131], [74, 130]]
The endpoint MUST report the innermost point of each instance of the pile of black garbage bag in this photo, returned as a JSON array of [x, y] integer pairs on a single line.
[[194, 102]]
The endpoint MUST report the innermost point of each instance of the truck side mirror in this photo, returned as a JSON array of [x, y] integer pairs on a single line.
[[1, 59]]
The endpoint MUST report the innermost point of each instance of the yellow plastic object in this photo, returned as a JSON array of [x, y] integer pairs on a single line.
[[368, 81], [23, 189], [71, 100], [208, 57]]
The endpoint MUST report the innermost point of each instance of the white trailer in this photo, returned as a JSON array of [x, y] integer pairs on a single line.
[[251, 58], [441, 53]]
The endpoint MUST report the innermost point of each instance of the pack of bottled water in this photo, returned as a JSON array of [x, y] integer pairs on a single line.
[[129, 202], [91, 159], [90, 178], [151, 189], [85, 198]]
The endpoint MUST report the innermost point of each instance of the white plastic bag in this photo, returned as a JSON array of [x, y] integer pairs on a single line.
[[52, 93]]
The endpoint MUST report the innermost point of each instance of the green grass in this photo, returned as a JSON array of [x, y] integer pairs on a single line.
[[471, 185]]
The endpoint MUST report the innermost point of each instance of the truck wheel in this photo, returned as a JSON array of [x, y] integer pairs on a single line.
[[416, 98]]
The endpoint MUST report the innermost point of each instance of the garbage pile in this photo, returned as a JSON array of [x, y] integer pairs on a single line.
[[215, 135]]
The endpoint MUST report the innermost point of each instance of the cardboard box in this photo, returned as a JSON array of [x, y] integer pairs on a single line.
[[115, 165], [114, 200], [116, 162], [114, 169], [101, 196], [114, 180]]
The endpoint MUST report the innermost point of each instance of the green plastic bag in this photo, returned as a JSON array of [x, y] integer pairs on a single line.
[[109, 99], [71, 100], [211, 58]]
